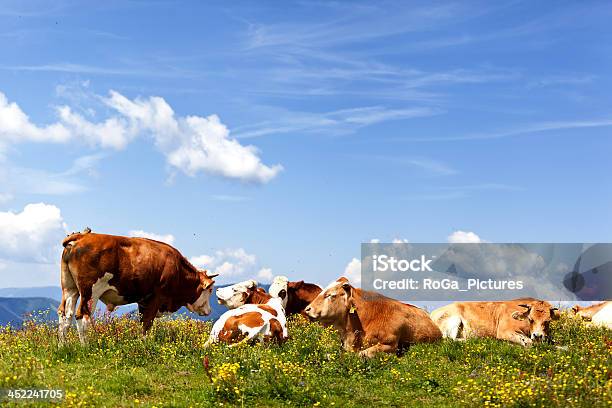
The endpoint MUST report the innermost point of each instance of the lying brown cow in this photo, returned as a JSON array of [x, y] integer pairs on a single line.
[[369, 322], [295, 295], [119, 270], [587, 312], [520, 321], [598, 315]]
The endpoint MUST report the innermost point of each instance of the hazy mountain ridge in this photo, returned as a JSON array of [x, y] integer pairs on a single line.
[[15, 303]]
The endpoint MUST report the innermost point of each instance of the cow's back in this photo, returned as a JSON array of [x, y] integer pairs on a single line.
[[137, 265], [482, 319], [604, 316], [418, 326], [379, 314]]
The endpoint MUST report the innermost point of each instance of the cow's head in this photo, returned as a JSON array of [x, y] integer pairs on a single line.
[[236, 295], [538, 315], [201, 305], [334, 302], [580, 312], [279, 289]]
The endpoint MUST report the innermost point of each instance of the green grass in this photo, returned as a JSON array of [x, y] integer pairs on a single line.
[[167, 368]]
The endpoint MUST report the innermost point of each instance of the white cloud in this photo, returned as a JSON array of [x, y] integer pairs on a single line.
[[375, 241], [15, 126], [32, 235], [459, 237], [353, 272], [229, 263], [167, 238], [399, 241], [264, 274], [191, 144]]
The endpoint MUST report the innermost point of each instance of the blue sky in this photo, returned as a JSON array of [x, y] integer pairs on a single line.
[[364, 120]]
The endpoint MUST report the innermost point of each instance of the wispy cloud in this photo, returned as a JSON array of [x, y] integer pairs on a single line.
[[425, 164], [230, 198], [527, 129], [336, 122], [67, 67], [17, 180], [482, 187]]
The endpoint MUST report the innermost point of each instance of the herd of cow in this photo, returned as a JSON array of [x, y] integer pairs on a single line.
[[120, 270]]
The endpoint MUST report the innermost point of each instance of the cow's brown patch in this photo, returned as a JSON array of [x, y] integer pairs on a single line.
[[268, 309], [276, 332]]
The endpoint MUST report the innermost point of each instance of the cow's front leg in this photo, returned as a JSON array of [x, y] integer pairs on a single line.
[[378, 348], [518, 338], [148, 311]]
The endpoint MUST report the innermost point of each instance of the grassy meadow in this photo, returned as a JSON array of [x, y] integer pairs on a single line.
[[169, 368]]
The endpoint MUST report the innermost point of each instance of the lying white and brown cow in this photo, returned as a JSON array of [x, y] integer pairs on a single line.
[[520, 321], [599, 314], [262, 318], [369, 322], [296, 296], [119, 270]]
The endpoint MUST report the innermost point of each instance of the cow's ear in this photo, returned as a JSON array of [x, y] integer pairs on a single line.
[[555, 313], [518, 315], [296, 285], [208, 283], [348, 289]]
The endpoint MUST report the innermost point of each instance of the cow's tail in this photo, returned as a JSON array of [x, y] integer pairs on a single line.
[[450, 324], [75, 236]]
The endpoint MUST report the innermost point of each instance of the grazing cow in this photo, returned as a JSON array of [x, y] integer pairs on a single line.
[[261, 317], [120, 270], [239, 294], [295, 295], [369, 322], [599, 314], [520, 321]]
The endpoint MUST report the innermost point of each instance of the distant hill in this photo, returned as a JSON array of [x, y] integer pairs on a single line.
[[15, 302], [14, 310], [53, 292]]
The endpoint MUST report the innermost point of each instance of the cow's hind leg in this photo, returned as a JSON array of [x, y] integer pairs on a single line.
[[70, 295], [66, 312], [252, 334], [83, 316]]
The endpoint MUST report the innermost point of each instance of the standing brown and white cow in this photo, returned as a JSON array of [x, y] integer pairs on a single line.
[[294, 295], [119, 270], [521, 321], [369, 322]]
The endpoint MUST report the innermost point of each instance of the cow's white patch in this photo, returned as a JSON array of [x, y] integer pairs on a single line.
[[279, 284], [102, 290], [603, 317], [202, 304], [234, 296]]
